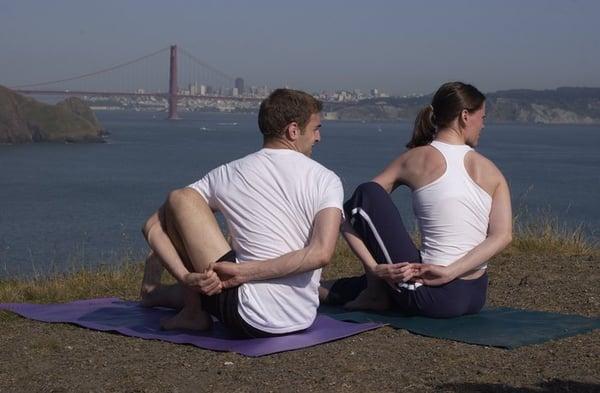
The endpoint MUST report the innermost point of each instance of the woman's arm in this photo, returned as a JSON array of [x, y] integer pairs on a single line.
[[390, 272], [499, 236]]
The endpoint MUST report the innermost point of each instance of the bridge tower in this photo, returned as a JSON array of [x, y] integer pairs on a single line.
[[173, 89]]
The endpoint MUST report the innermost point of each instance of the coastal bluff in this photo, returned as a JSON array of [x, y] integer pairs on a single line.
[[25, 120], [565, 105]]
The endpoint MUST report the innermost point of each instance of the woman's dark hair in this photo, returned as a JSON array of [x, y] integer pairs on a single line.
[[447, 104]]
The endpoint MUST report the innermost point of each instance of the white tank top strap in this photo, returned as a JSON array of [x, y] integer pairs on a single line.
[[454, 156]]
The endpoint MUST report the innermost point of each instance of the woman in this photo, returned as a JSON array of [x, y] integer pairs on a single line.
[[462, 204]]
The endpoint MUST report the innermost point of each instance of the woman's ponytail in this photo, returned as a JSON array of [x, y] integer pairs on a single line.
[[424, 129]]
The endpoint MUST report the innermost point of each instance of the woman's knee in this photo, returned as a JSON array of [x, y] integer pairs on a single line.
[[370, 188], [366, 196]]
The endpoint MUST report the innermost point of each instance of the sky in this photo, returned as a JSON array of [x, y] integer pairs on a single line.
[[398, 47]]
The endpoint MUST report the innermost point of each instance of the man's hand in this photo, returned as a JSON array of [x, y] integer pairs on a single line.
[[207, 282], [394, 273], [231, 274], [432, 275]]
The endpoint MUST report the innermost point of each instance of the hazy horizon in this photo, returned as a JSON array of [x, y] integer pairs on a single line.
[[398, 48]]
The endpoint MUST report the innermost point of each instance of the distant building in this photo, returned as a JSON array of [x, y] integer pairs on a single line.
[[239, 85]]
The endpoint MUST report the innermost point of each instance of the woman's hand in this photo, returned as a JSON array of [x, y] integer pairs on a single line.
[[432, 275], [394, 273]]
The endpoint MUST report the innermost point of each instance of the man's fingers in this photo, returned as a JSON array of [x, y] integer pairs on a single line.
[[231, 283], [214, 288]]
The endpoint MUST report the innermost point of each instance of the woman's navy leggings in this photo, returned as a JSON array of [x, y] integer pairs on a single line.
[[377, 221]]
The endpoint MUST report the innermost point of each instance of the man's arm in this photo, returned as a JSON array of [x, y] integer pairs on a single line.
[[315, 255]]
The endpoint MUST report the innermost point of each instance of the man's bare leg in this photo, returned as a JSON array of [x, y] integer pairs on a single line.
[[191, 317], [196, 234], [374, 297], [153, 293]]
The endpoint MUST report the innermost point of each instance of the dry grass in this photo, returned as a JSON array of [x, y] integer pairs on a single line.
[[122, 281], [546, 237]]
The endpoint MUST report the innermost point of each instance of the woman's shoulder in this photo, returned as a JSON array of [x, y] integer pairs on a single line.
[[482, 163], [483, 171], [418, 166]]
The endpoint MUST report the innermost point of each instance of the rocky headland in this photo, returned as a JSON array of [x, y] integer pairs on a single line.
[[24, 120], [566, 105]]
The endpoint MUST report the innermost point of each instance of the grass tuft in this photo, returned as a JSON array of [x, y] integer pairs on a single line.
[[547, 235]]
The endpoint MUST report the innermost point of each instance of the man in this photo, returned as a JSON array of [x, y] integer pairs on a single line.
[[283, 211]]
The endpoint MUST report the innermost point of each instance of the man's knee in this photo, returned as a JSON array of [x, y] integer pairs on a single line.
[[184, 198]]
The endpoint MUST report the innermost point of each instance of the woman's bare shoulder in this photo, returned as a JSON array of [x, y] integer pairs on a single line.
[[483, 171]]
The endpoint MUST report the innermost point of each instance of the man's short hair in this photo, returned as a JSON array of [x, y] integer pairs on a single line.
[[284, 106]]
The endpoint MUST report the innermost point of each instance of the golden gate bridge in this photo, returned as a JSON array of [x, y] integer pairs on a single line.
[[133, 77]]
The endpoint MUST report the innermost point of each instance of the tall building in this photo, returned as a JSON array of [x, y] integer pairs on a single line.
[[239, 85]]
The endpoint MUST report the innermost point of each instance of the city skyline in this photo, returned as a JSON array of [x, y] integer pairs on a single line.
[[400, 49]]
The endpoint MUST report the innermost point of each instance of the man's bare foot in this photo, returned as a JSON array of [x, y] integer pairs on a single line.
[[170, 296], [370, 299], [153, 270], [188, 319]]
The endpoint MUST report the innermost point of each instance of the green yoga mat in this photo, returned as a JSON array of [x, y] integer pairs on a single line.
[[498, 327]]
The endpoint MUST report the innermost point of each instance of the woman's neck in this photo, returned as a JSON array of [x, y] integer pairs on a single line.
[[450, 135]]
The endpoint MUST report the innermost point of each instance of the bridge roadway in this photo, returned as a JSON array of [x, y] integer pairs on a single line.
[[125, 94], [162, 95]]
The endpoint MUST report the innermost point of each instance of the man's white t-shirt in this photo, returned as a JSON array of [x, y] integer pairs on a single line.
[[269, 200]]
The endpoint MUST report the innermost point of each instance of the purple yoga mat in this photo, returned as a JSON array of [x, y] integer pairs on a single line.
[[130, 319]]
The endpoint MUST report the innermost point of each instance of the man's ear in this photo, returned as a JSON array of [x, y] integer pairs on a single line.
[[292, 131]]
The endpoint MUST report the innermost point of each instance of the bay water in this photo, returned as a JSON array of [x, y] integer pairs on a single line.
[[66, 206]]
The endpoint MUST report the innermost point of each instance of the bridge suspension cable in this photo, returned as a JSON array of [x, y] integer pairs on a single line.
[[208, 66], [82, 76]]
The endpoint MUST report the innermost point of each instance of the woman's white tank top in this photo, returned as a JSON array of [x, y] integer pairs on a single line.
[[453, 211]]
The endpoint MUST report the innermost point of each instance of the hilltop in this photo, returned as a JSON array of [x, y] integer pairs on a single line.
[[23, 120], [565, 105]]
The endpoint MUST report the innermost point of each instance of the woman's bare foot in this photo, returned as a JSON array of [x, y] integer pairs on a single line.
[[370, 298], [189, 319]]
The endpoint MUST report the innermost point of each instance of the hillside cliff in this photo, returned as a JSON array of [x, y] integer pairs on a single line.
[[566, 105], [23, 120]]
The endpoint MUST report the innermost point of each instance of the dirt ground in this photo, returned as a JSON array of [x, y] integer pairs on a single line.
[[39, 357]]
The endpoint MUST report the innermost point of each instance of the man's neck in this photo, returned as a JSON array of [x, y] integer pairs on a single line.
[[279, 143]]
